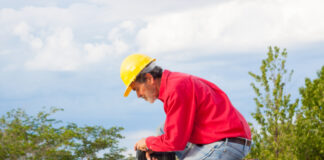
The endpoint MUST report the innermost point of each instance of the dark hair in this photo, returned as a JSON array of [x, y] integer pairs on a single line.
[[156, 72]]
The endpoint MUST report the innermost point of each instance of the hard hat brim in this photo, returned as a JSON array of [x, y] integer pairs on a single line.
[[127, 91]]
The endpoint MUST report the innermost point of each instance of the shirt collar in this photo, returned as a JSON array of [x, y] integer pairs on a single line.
[[163, 84]]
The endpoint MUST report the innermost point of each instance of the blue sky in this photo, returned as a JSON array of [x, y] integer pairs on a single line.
[[67, 53]]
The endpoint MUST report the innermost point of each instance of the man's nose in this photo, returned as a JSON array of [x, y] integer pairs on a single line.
[[138, 94]]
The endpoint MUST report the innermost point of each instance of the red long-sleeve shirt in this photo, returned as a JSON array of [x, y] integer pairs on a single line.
[[197, 111]]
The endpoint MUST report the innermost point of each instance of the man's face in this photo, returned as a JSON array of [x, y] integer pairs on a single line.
[[147, 90]]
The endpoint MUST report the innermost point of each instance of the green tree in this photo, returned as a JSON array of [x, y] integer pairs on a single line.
[[310, 118], [40, 137], [274, 109]]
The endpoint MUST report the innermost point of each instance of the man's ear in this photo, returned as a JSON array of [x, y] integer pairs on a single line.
[[149, 78]]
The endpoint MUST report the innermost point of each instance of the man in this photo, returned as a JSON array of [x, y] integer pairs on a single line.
[[201, 122]]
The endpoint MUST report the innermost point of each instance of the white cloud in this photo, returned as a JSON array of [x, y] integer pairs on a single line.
[[54, 36], [4, 52], [58, 53], [23, 31], [36, 43], [120, 46], [142, 8], [96, 51], [61, 39], [128, 26], [61, 51], [235, 26], [118, 34]]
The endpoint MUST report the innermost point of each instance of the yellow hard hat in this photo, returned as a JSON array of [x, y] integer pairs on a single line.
[[131, 67]]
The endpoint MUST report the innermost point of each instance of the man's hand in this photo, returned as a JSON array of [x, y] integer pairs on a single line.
[[141, 145]]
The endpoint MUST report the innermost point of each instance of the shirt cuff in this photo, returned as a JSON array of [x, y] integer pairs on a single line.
[[150, 142]]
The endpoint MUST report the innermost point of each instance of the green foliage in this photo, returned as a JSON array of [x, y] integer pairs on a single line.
[[283, 130], [40, 137], [310, 118], [275, 111]]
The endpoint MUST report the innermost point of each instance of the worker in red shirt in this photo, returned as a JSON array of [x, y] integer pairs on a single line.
[[201, 122]]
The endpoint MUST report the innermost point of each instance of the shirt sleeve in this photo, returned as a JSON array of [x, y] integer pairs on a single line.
[[180, 109]]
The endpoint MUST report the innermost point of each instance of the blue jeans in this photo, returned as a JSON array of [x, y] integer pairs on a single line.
[[220, 150]]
